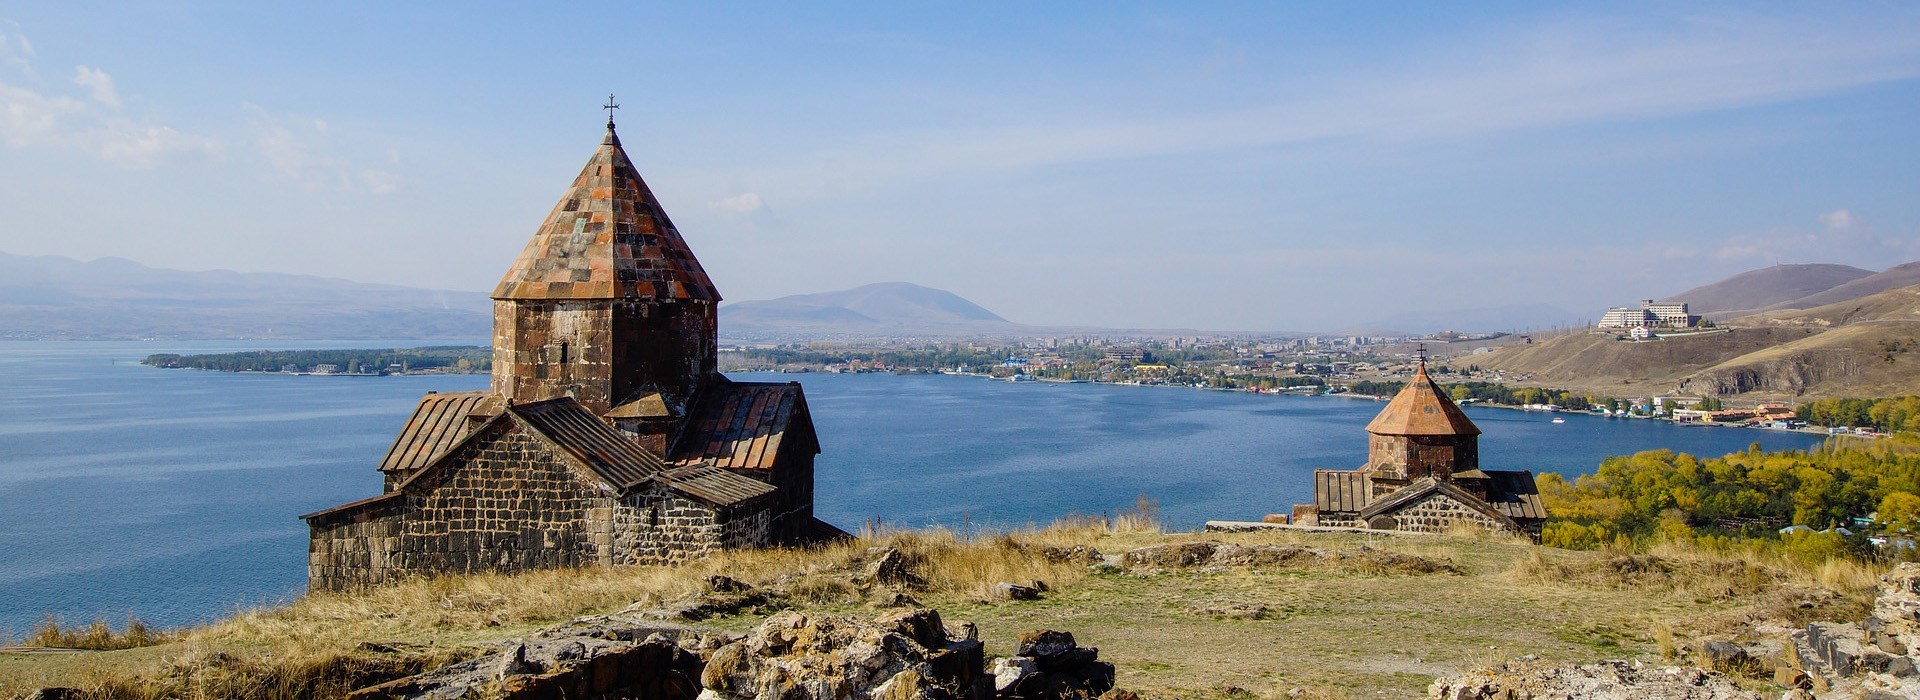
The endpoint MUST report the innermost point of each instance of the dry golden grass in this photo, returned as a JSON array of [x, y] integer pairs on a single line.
[[1330, 631], [324, 642], [98, 636]]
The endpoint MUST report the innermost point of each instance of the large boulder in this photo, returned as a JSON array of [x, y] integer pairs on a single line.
[[1049, 665], [901, 655]]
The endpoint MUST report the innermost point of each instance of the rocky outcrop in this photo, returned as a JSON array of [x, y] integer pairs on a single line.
[[900, 655], [1050, 665], [906, 654], [591, 658], [1607, 680], [1877, 658]]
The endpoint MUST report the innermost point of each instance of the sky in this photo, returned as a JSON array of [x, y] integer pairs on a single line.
[[1222, 166]]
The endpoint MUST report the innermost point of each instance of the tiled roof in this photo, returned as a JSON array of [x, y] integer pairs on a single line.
[[1515, 494], [592, 441], [741, 425], [1422, 408], [714, 485], [436, 424], [607, 238], [1339, 491], [646, 404]]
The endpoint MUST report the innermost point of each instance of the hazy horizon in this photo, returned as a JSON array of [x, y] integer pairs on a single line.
[[1220, 167]]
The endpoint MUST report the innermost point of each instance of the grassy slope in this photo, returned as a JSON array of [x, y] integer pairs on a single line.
[[1338, 632], [1832, 350]]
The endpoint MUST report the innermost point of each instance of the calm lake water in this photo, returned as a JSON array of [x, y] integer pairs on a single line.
[[174, 495]]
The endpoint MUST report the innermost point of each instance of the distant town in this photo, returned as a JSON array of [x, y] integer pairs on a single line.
[[1361, 366]]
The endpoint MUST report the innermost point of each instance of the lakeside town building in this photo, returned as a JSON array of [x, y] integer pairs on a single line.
[[1423, 474], [1649, 315], [607, 435]]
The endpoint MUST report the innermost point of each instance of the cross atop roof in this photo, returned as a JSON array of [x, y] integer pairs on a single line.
[[1421, 351], [610, 106]]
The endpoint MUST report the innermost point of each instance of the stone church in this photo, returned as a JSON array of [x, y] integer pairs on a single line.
[[1423, 474], [607, 435]]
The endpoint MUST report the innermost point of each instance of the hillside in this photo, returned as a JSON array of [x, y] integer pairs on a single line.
[[1863, 347], [1759, 289], [1204, 615], [1894, 277], [54, 297], [890, 308]]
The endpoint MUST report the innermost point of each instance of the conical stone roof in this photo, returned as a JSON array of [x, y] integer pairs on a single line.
[[607, 238], [1422, 408]]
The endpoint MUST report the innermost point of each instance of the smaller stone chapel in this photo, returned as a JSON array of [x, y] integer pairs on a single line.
[[1423, 474], [607, 435]]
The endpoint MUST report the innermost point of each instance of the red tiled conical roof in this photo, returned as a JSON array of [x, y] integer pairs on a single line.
[[1422, 408], [607, 238]]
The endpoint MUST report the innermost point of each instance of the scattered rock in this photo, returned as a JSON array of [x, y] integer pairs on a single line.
[[543, 667], [1048, 665], [1607, 680], [1006, 590], [1169, 556], [1010, 673], [514, 663], [54, 694], [1230, 611], [894, 567], [726, 584], [1217, 555], [1080, 554]]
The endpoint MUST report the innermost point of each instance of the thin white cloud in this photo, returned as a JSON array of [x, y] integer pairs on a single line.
[[1841, 237], [99, 83], [1544, 76], [1837, 220], [311, 153], [16, 52], [745, 203], [137, 145], [28, 118], [31, 118]]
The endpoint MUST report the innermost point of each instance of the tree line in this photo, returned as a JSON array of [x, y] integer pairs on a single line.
[[1664, 495], [440, 358], [1890, 415]]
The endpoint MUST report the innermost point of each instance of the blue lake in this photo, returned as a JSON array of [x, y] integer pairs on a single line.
[[174, 495]]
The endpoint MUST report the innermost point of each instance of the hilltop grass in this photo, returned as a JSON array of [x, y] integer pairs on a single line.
[[1331, 629]]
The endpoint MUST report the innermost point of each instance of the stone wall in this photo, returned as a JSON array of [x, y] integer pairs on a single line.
[[655, 527], [1404, 457], [602, 351], [546, 350], [1435, 512], [507, 501]]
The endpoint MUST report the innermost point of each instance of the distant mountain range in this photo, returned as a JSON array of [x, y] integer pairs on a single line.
[[52, 297], [888, 308], [60, 298]]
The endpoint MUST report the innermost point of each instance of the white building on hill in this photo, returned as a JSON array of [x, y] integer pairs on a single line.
[[1649, 315]]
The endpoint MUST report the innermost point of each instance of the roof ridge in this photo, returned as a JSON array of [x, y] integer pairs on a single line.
[[1422, 408], [607, 238]]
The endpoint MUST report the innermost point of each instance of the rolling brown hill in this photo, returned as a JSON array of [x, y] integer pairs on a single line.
[[1891, 278], [1863, 347], [1759, 289]]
